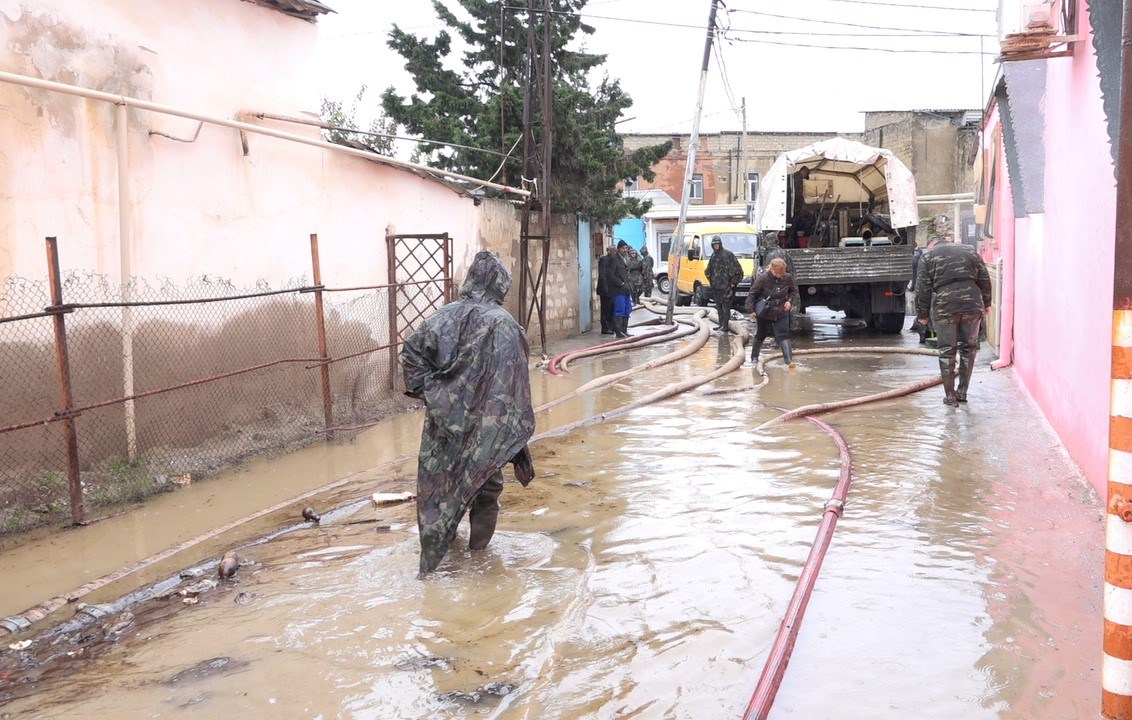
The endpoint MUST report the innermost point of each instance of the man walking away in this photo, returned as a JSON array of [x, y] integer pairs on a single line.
[[723, 273], [953, 284], [468, 362]]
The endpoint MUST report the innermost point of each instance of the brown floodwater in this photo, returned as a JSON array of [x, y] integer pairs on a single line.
[[643, 574]]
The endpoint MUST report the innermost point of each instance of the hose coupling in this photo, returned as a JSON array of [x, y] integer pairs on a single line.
[[835, 505]]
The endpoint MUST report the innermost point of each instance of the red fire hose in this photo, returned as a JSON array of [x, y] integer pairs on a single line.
[[775, 667]]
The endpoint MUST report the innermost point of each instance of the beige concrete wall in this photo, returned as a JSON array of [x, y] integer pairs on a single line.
[[200, 203]]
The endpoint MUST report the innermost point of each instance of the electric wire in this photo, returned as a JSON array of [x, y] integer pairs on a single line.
[[847, 24]]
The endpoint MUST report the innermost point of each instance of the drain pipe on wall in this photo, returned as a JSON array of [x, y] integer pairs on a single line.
[[1006, 320]]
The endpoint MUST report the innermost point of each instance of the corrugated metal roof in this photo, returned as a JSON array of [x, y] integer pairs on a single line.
[[656, 195], [303, 9]]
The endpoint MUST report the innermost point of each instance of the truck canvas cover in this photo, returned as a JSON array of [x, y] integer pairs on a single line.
[[859, 174]]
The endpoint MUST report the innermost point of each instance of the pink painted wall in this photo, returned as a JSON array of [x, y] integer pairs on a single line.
[[1062, 329]]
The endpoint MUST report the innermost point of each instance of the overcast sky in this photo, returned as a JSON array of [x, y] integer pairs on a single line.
[[655, 47]]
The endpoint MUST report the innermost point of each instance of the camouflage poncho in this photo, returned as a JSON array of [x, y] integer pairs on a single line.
[[468, 361]]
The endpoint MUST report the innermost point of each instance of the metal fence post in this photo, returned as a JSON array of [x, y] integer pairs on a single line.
[[320, 321], [394, 333], [74, 481]]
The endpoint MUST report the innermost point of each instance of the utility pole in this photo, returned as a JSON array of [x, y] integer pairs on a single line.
[[538, 106], [677, 251], [744, 182], [1116, 661]]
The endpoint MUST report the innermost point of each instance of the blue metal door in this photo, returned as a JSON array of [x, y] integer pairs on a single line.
[[585, 275]]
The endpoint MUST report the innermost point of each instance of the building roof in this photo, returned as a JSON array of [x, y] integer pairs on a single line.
[[655, 195], [302, 9]]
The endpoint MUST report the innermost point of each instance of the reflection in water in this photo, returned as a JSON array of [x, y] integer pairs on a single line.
[[644, 575]]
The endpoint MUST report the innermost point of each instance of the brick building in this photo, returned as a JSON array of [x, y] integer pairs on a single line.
[[937, 145]]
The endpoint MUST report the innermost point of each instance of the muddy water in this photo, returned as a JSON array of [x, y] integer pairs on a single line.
[[645, 572]]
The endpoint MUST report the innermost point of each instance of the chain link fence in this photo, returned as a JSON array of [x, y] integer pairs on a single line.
[[169, 384]]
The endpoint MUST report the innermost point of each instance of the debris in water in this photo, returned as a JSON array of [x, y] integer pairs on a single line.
[[580, 483], [124, 621], [310, 515], [540, 511], [207, 668], [199, 587], [192, 574], [21, 645], [379, 499], [183, 480], [229, 564], [244, 598]]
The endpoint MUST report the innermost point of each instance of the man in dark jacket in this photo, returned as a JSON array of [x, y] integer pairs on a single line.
[[605, 297], [953, 284], [723, 274], [621, 290], [468, 362]]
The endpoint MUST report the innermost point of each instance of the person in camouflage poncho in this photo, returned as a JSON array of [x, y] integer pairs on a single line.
[[723, 274], [953, 284], [468, 362]]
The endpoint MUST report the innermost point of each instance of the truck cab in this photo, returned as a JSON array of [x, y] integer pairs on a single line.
[[692, 284]]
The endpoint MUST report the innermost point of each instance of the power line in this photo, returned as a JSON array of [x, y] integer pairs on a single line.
[[924, 7], [916, 32], [867, 49], [844, 24]]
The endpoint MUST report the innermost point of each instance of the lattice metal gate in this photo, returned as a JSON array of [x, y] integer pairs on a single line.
[[420, 276]]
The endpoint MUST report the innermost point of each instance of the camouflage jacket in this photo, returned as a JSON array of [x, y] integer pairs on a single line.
[[723, 270], [468, 361], [952, 278]]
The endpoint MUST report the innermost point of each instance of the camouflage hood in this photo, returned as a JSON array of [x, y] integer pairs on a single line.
[[468, 362]]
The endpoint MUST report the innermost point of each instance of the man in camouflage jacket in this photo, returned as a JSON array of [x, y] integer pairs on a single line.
[[723, 274], [953, 284], [468, 362]]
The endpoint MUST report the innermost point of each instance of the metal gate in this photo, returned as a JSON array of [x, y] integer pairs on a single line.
[[420, 279]]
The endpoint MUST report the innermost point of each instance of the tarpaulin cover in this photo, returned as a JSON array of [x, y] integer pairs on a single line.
[[468, 361], [856, 173]]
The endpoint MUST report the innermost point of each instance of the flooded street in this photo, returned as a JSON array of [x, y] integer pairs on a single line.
[[643, 574]]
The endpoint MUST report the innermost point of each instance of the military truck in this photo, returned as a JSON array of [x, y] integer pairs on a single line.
[[845, 215]]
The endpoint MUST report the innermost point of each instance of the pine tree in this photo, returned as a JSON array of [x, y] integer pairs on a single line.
[[477, 101]]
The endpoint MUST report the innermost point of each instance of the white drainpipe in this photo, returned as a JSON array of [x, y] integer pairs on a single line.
[[246, 127]]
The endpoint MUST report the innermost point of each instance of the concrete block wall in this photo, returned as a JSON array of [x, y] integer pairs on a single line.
[[499, 230]]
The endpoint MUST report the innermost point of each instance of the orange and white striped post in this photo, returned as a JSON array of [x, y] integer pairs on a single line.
[[1116, 664]]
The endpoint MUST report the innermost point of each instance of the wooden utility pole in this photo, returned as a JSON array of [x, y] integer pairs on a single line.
[[677, 251]]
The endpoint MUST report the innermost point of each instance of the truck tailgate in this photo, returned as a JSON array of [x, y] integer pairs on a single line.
[[845, 265]]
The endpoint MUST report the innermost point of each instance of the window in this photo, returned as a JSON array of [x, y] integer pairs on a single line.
[[632, 184], [697, 189], [752, 186]]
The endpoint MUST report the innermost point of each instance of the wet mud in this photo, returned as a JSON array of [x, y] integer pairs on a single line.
[[645, 572]]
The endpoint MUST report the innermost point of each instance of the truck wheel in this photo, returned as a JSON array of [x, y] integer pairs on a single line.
[[890, 323], [683, 300], [700, 296], [662, 284]]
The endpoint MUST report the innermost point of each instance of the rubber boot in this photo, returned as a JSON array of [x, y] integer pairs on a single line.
[[621, 325], [787, 352], [756, 346], [484, 514], [947, 372], [966, 365]]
